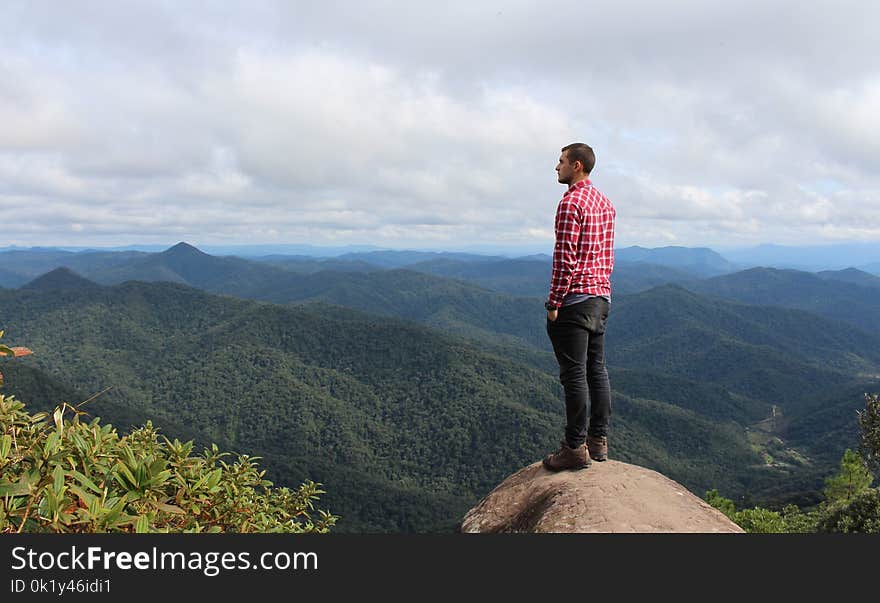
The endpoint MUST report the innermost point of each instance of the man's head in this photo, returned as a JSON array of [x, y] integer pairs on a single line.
[[575, 163]]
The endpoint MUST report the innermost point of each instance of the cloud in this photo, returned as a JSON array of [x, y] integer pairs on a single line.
[[398, 122]]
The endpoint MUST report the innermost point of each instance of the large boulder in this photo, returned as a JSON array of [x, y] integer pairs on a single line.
[[607, 497]]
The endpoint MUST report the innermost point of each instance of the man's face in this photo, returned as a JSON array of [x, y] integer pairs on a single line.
[[564, 169]]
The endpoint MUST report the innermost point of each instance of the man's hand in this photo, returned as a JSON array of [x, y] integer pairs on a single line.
[[551, 315]]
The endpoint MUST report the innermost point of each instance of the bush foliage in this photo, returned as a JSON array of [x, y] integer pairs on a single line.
[[59, 473]]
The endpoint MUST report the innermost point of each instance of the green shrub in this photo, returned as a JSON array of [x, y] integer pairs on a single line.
[[59, 473], [860, 514], [765, 521], [760, 521]]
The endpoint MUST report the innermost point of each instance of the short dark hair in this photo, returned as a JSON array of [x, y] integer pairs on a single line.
[[578, 151]]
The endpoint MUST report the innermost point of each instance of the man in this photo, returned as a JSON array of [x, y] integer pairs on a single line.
[[577, 309]]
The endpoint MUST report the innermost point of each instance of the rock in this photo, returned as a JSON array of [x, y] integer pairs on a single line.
[[611, 496]]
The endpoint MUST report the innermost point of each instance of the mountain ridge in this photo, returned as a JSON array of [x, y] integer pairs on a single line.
[[60, 278], [360, 414]]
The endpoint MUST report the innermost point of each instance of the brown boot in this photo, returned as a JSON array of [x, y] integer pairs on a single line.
[[568, 458], [598, 446]]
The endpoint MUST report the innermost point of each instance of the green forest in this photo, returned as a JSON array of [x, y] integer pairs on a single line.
[[408, 412]]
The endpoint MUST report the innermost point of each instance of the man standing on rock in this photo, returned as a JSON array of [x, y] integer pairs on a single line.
[[577, 309]]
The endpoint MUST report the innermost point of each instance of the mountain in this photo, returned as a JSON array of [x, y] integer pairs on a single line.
[[30, 263], [455, 306], [699, 261], [452, 305], [10, 279], [853, 276], [826, 427], [400, 258], [406, 427], [60, 278], [872, 268], [806, 368], [766, 353], [403, 425], [466, 310], [635, 277], [837, 299], [521, 277], [310, 265], [258, 251], [43, 392], [807, 258], [702, 368], [186, 264], [531, 277]]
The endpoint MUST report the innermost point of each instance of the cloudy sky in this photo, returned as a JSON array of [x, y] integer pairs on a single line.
[[436, 124]]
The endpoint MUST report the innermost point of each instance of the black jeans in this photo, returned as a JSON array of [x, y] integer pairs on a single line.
[[578, 338]]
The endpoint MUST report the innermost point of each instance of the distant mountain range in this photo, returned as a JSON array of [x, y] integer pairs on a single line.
[[518, 276], [865, 256], [849, 296], [695, 365], [697, 261]]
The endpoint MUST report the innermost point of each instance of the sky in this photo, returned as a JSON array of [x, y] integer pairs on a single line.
[[436, 125]]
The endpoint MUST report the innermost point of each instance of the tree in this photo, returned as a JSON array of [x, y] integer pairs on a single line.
[[861, 514], [853, 479], [852, 506], [725, 505]]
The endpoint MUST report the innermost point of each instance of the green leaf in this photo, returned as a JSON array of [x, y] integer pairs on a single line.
[[214, 478], [51, 501], [58, 477], [51, 445], [85, 481], [5, 446], [124, 476], [79, 442], [143, 525], [116, 509], [22, 488]]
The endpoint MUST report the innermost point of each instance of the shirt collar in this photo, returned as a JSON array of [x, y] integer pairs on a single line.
[[581, 184]]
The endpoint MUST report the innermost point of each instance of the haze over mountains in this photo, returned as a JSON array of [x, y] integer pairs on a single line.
[[416, 382]]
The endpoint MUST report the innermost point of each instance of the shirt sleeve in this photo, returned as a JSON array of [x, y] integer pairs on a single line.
[[568, 232]]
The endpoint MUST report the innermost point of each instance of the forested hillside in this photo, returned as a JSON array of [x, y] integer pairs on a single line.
[[405, 426], [710, 372]]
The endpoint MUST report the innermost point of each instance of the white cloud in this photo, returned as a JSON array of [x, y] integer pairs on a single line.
[[400, 122]]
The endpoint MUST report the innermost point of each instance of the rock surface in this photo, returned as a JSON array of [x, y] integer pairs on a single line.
[[611, 496]]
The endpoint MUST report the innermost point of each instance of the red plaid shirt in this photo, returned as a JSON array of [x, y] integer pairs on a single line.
[[583, 257]]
